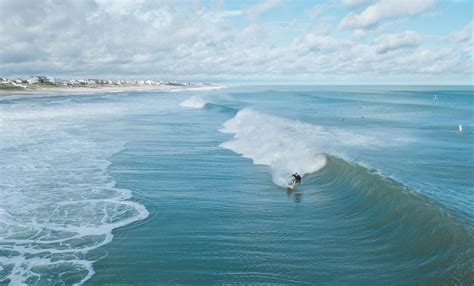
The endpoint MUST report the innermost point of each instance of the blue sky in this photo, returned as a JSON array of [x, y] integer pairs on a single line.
[[266, 41]]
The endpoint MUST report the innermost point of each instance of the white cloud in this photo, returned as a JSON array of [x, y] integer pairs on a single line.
[[354, 3], [265, 6], [229, 13], [390, 42], [318, 9], [385, 9], [120, 7], [465, 35], [315, 42], [157, 18]]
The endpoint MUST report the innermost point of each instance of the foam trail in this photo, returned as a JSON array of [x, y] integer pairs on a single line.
[[58, 201], [279, 143]]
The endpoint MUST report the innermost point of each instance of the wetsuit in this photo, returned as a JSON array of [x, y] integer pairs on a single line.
[[297, 178]]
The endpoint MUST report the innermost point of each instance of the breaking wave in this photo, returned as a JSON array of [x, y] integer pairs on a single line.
[[196, 101], [287, 146], [58, 201]]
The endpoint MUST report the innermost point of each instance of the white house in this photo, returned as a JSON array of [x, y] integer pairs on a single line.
[[51, 79], [33, 79], [18, 84]]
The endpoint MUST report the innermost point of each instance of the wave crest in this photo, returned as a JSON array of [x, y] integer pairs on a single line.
[[279, 143], [196, 101]]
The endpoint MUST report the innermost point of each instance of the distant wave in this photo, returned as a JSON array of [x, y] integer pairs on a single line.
[[196, 101], [198, 88], [209, 101]]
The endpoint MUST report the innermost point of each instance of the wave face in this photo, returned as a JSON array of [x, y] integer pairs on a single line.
[[414, 236], [58, 201]]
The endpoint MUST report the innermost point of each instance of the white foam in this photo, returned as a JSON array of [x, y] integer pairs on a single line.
[[279, 143], [196, 101], [58, 201]]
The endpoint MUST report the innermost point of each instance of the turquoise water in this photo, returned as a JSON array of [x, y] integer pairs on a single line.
[[190, 187]]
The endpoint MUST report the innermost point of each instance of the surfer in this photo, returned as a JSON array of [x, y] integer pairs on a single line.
[[296, 179]]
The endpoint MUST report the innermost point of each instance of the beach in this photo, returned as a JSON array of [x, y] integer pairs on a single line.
[[103, 88]]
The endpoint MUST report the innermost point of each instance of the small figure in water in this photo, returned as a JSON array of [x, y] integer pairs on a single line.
[[296, 179]]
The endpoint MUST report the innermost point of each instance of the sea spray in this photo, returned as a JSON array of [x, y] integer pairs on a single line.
[[279, 143]]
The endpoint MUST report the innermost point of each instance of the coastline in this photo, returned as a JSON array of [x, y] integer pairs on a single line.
[[99, 89]]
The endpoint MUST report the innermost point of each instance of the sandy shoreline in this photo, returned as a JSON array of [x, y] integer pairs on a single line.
[[98, 89]]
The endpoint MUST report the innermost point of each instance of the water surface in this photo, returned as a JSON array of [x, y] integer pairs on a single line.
[[190, 187]]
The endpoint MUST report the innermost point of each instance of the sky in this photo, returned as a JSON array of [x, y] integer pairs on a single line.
[[264, 41]]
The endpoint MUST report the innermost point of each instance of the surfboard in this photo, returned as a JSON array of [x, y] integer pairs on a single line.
[[292, 187]]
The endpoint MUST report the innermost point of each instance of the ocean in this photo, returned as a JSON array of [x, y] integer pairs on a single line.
[[190, 187]]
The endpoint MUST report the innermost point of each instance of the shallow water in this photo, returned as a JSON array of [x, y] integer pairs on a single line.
[[189, 187]]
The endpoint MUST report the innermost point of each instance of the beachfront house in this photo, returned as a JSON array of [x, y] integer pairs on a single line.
[[33, 79], [51, 80], [42, 79]]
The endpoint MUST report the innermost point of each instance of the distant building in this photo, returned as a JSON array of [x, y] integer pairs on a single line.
[[50, 79], [14, 83], [42, 79], [33, 79]]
